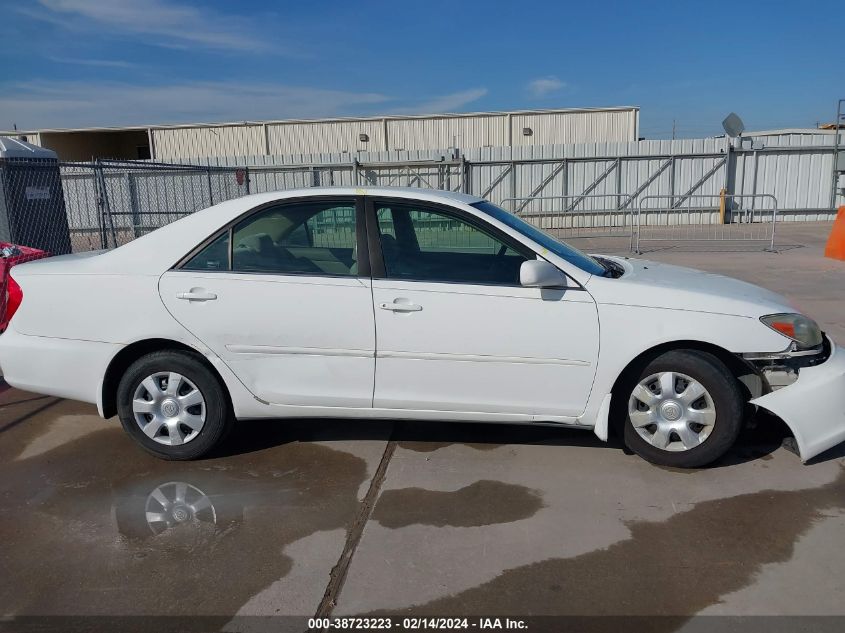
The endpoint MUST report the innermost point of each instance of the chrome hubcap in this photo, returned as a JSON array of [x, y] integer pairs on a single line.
[[169, 408], [672, 411], [178, 503]]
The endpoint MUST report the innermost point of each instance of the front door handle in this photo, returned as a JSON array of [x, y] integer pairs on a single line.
[[400, 306], [196, 294]]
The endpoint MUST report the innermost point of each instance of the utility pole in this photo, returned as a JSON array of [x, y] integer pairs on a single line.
[[673, 129], [836, 132]]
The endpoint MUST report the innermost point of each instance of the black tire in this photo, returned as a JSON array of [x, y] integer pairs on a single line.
[[728, 402], [218, 415]]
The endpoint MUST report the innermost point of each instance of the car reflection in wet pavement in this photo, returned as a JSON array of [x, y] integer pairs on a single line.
[[101, 527]]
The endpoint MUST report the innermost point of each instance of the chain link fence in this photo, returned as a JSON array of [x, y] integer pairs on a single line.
[[70, 207], [109, 203]]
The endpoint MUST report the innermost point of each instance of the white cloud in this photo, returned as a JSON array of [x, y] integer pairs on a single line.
[[445, 103], [163, 22], [102, 63], [42, 104], [543, 86]]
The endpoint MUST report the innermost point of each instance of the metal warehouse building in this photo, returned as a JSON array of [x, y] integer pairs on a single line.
[[352, 135]]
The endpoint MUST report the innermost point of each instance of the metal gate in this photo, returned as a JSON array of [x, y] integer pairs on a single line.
[[577, 216], [749, 218], [445, 175]]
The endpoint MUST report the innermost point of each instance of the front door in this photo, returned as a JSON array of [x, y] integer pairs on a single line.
[[457, 332], [279, 298]]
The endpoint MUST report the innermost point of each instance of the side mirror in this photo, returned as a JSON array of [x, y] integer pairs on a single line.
[[536, 273]]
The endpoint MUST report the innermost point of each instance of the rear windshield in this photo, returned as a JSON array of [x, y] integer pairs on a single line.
[[565, 251]]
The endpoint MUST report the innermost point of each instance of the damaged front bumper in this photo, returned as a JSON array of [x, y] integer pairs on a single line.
[[813, 406]]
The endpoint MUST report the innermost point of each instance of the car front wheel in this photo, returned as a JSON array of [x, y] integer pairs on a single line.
[[684, 409], [173, 405]]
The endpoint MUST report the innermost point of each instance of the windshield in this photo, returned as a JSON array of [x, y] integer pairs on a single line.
[[565, 251]]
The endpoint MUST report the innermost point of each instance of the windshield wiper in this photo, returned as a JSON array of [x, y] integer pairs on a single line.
[[611, 268]]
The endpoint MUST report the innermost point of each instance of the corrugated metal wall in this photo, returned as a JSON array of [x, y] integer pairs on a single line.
[[338, 136], [430, 133], [574, 127], [178, 143], [395, 133]]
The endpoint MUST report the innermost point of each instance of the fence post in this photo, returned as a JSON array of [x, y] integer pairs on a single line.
[[672, 179], [101, 205], [355, 172], [246, 179], [775, 219], [133, 203], [210, 190], [728, 171], [105, 207], [836, 132], [618, 183]]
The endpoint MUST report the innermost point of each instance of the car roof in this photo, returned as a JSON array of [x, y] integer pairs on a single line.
[[402, 192]]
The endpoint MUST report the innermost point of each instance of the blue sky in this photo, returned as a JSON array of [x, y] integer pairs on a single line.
[[69, 63]]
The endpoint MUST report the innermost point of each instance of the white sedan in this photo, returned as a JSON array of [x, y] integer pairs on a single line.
[[412, 304]]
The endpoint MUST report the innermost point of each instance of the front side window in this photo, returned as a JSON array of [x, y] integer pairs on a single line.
[[299, 238], [427, 244]]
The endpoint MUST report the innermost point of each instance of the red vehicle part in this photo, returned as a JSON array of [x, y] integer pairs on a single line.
[[10, 292]]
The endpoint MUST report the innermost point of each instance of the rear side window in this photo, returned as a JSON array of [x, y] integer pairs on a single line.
[[300, 238], [215, 256]]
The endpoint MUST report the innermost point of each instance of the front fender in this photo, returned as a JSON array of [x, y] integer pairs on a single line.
[[813, 407]]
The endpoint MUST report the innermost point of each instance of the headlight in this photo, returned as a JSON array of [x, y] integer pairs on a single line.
[[799, 328]]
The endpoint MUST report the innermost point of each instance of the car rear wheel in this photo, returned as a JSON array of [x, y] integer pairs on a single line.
[[173, 405], [684, 409]]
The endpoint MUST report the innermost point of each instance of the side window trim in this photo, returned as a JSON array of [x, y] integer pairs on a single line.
[[231, 231], [377, 259], [361, 238]]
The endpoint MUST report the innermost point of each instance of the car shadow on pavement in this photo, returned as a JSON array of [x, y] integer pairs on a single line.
[[756, 443]]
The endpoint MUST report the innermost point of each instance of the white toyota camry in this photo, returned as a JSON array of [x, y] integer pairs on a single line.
[[412, 304]]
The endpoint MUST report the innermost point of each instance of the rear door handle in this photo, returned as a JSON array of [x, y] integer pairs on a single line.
[[400, 307], [196, 294]]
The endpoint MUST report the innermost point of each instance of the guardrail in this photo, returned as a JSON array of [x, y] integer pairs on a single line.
[[733, 218]]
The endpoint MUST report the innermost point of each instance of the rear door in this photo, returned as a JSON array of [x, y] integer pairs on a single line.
[[282, 298], [455, 329]]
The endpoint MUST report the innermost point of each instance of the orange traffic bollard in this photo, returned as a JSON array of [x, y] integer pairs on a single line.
[[836, 242]]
